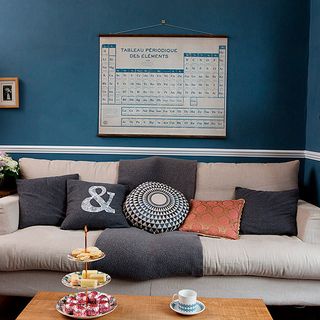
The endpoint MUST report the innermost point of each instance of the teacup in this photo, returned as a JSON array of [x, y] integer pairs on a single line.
[[187, 300]]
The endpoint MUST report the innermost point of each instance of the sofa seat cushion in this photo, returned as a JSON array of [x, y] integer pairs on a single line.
[[261, 255], [42, 248], [46, 248]]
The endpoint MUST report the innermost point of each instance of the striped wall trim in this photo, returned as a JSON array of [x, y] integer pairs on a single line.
[[192, 152]]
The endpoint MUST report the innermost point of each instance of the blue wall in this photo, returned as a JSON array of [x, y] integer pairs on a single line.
[[313, 113], [312, 168], [52, 45]]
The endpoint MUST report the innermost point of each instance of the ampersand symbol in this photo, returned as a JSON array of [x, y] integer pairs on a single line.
[[104, 206]]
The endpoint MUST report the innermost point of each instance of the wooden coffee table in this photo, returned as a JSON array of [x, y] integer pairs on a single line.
[[43, 307]]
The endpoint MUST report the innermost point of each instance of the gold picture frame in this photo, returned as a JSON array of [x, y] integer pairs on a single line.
[[9, 93]]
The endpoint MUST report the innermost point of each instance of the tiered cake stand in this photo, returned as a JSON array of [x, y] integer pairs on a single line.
[[88, 301]]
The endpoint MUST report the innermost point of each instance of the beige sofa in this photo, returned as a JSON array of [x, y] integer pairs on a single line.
[[281, 270]]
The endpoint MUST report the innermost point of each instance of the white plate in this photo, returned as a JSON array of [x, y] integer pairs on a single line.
[[70, 257], [65, 280], [61, 302], [199, 308]]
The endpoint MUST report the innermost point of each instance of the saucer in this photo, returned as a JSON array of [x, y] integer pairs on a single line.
[[199, 308]]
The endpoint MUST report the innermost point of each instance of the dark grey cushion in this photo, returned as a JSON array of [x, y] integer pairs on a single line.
[[268, 212], [179, 174], [43, 200], [97, 205]]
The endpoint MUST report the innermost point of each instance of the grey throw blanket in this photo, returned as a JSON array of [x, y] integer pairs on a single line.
[[178, 174], [138, 255]]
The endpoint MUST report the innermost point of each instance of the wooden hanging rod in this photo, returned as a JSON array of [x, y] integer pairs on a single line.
[[163, 35]]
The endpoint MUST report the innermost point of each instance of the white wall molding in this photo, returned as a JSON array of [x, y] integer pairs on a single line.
[[195, 152], [312, 155]]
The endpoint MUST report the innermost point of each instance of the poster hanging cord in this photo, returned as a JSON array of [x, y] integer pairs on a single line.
[[163, 22]]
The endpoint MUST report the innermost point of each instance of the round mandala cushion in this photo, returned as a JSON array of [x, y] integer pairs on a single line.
[[156, 207]]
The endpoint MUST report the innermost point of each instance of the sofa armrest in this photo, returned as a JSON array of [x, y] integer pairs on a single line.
[[9, 214], [308, 222]]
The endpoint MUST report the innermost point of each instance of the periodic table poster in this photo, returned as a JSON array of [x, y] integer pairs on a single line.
[[163, 86]]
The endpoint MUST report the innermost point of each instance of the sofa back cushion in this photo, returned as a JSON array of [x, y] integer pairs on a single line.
[[217, 181], [106, 172]]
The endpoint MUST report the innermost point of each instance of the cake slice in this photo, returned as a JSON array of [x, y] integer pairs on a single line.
[[74, 279], [89, 272], [88, 283], [101, 277]]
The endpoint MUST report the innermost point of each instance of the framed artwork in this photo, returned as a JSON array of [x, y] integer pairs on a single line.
[[9, 93], [163, 85]]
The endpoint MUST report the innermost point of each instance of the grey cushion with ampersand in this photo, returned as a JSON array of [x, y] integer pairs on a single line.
[[97, 205]]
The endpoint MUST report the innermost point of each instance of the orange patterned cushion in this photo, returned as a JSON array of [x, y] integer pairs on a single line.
[[214, 218]]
